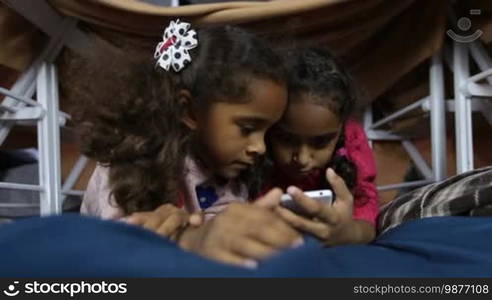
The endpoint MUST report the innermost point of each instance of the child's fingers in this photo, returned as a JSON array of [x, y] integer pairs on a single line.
[[310, 206], [234, 259], [136, 219], [320, 230], [278, 236], [171, 225], [168, 209], [152, 222], [196, 219], [262, 225], [254, 249], [270, 200], [339, 186]]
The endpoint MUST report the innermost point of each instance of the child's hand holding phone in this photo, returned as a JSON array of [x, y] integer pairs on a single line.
[[320, 196], [243, 234], [332, 223]]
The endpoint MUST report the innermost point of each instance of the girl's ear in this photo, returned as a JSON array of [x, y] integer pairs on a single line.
[[188, 115]]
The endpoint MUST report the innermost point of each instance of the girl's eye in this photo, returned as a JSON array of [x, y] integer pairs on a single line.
[[321, 142], [247, 129]]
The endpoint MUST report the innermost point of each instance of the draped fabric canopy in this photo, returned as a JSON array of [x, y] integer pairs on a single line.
[[381, 41]]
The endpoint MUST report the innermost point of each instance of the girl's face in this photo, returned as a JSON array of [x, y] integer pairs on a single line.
[[232, 135], [305, 138]]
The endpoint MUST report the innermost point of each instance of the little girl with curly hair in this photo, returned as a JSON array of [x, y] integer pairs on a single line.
[[187, 139]]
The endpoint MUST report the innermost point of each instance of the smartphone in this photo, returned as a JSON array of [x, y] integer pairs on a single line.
[[323, 196]]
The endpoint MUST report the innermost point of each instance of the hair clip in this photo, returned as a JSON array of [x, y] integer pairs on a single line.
[[342, 152], [178, 38]]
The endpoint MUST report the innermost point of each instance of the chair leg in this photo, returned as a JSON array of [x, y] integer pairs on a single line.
[[438, 118], [49, 141], [463, 111]]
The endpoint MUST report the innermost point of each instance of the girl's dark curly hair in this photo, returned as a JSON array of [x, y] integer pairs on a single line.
[[135, 129], [317, 72]]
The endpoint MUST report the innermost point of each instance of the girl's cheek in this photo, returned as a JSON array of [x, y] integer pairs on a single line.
[[287, 156], [323, 157], [281, 155]]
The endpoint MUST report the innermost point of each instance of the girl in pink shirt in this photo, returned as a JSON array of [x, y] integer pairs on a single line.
[[316, 133]]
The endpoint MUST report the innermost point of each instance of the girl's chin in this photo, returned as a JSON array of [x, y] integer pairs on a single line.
[[230, 173], [298, 175]]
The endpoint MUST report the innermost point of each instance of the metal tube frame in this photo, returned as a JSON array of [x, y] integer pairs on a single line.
[[74, 175], [438, 118], [436, 103], [41, 77], [418, 160], [399, 113], [49, 141], [463, 124]]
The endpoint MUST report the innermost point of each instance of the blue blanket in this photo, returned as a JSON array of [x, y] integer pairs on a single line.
[[75, 246]]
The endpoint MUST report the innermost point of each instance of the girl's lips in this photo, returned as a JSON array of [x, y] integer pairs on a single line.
[[296, 172], [243, 165], [299, 170]]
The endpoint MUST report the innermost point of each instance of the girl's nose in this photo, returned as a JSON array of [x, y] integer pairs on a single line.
[[302, 156], [257, 146]]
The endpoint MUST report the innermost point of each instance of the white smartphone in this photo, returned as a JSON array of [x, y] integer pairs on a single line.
[[323, 196]]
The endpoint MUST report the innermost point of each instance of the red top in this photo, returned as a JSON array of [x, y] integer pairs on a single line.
[[359, 152]]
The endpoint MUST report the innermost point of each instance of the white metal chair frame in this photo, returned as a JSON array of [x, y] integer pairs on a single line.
[[18, 107], [435, 103], [470, 96]]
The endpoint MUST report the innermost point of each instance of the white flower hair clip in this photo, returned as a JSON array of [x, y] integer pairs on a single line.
[[178, 38]]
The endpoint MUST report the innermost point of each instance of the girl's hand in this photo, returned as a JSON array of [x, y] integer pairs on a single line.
[[166, 220], [331, 223], [243, 233]]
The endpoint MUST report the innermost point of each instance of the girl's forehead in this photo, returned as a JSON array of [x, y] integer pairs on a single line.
[[266, 100], [266, 97], [309, 119], [327, 99]]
